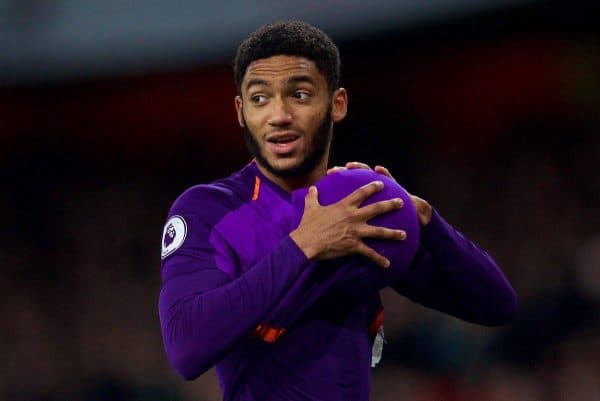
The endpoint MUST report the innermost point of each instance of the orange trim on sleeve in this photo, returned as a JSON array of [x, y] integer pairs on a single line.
[[256, 188], [268, 333], [376, 323]]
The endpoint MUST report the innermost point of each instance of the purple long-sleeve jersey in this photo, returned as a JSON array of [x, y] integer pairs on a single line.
[[230, 266]]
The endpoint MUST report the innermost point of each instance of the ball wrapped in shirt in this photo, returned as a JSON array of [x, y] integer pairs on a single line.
[[336, 186]]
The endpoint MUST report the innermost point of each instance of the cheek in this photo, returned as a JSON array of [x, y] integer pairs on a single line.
[[252, 122], [315, 120]]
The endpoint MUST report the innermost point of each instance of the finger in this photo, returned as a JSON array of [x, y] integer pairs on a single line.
[[379, 232], [312, 198], [384, 171], [372, 255], [377, 208], [362, 193], [335, 169], [358, 165], [424, 210], [415, 199]]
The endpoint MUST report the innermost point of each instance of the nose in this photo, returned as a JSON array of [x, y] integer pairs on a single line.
[[280, 114]]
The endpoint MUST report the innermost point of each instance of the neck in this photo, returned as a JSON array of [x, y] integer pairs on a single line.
[[290, 184]]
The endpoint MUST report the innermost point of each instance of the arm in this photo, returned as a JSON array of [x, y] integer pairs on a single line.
[[204, 313], [453, 275], [333, 236], [352, 277], [206, 305]]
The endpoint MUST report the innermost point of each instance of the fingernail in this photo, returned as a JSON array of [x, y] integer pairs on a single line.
[[399, 202], [386, 264], [379, 184], [402, 235]]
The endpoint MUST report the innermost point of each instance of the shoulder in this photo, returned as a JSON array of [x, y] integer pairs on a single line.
[[196, 211], [211, 201], [203, 195]]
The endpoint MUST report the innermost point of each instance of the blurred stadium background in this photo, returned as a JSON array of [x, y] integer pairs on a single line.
[[109, 109]]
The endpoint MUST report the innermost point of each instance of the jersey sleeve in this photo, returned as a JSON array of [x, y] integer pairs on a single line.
[[454, 275], [204, 309], [350, 277], [341, 275]]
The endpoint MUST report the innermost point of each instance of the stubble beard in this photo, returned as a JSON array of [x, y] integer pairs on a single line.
[[309, 162]]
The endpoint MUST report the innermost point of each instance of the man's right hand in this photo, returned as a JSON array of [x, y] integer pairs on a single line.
[[327, 232]]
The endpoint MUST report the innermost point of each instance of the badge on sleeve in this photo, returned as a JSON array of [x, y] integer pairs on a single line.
[[173, 235]]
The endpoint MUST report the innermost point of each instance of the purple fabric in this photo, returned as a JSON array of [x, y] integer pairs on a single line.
[[238, 268], [204, 314], [337, 186], [454, 275], [235, 270], [353, 275]]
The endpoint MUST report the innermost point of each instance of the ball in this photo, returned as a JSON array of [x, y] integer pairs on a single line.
[[336, 186]]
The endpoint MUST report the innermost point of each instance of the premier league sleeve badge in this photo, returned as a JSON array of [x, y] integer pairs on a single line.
[[173, 236]]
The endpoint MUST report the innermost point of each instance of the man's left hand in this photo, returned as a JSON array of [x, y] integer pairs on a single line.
[[423, 207]]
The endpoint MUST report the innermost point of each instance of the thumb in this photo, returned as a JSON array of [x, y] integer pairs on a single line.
[[312, 197]]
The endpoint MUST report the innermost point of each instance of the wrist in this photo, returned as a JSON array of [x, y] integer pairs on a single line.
[[303, 242]]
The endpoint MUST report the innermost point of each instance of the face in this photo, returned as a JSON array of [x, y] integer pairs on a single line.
[[287, 115]]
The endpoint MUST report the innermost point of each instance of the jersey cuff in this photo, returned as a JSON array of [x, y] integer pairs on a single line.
[[294, 250]]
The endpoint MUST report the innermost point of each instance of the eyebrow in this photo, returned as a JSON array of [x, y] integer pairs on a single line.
[[257, 81], [301, 78], [292, 80]]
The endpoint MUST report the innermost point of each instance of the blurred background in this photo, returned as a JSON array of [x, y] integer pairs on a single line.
[[109, 110]]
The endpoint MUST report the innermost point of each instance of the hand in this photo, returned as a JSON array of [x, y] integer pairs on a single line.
[[423, 207], [327, 232]]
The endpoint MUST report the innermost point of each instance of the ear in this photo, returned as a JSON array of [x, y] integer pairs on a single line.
[[238, 109], [339, 105]]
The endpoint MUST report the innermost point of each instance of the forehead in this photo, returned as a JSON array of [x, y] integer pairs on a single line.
[[281, 67]]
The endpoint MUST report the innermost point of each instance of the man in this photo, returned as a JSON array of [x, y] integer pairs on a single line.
[[291, 312]]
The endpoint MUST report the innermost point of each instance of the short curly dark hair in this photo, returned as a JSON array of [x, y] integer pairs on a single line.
[[291, 38]]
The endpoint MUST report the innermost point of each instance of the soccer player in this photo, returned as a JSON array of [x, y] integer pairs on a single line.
[[291, 311]]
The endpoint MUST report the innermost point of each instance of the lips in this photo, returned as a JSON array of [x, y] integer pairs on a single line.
[[282, 137], [283, 143]]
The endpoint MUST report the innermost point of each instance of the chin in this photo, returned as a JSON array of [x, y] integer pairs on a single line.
[[287, 165], [287, 169], [284, 162]]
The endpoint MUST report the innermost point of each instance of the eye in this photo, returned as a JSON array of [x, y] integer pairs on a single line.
[[258, 99], [301, 95]]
